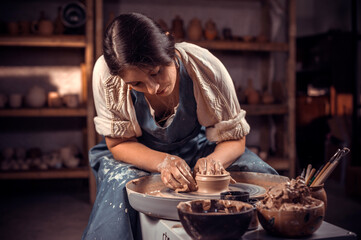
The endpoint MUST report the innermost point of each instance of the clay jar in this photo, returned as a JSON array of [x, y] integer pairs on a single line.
[[43, 27], [195, 30], [252, 96], [3, 100], [212, 184], [177, 28], [319, 192], [210, 30], [36, 97]]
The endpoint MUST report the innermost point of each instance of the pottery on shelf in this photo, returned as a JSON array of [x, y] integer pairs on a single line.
[[71, 100], [252, 95], [59, 27], [210, 30], [43, 26], [54, 99], [177, 28], [3, 100], [194, 30], [267, 97], [36, 97], [15, 100]]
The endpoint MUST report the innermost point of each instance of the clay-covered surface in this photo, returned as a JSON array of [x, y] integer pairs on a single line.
[[215, 219], [150, 196]]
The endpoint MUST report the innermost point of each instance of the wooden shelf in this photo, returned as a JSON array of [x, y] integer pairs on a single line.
[[72, 41], [279, 163], [44, 112], [46, 174], [265, 109], [243, 46]]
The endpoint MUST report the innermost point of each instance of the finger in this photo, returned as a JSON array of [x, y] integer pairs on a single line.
[[218, 168], [203, 166], [210, 167], [185, 171], [233, 181], [169, 181]]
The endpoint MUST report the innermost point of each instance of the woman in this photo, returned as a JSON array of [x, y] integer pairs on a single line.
[[163, 108]]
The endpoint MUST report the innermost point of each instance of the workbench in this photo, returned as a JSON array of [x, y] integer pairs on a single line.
[[161, 229]]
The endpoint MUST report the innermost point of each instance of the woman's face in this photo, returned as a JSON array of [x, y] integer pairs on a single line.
[[159, 80]]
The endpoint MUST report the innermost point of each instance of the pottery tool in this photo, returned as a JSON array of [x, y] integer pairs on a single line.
[[308, 171], [310, 175], [316, 174], [330, 166], [303, 173], [324, 167]]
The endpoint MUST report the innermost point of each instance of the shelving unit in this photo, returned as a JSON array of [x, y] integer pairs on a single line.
[[286, 110], [85, 111]]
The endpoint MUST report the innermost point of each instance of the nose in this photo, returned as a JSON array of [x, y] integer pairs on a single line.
[[152, 87]]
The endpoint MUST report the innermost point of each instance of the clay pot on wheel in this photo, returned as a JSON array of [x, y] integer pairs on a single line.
[[210, 184]]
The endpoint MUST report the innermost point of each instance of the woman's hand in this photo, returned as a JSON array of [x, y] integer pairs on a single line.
[[176, 174], [209, 166]]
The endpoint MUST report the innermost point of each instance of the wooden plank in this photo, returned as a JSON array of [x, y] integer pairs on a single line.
[[265, 109], [44, 112], [243, 46], [76, 41], [291, 87], [89, 63], [47, 174]]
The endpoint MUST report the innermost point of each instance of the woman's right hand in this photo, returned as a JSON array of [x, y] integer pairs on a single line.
[[176, 174]]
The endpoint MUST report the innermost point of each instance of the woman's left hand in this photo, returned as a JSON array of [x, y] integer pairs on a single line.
[[209, 166]]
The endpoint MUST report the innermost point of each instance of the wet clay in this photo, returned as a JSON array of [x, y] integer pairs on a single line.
[[289, 210]]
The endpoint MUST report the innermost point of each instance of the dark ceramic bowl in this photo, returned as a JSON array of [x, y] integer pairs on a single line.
[[291, 223], [215, 219]]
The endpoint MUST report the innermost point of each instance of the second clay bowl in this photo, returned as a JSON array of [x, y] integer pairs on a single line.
[[292, 223]]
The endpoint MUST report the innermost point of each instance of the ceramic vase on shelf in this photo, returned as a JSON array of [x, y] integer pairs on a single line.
[[59, 27], [43, 26], [194, 30], [36, 97], [252, 95], [177, 28], [210, 30]]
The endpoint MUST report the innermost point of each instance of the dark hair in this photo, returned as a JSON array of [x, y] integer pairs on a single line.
[[133, 39]]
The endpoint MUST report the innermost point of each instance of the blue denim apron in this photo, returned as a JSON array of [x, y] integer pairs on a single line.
[[112, 217]]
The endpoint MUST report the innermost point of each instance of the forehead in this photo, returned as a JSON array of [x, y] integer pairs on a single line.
[[133, 73]]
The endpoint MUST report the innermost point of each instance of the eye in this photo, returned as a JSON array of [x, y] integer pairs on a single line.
[[135, 84], [155, 72]]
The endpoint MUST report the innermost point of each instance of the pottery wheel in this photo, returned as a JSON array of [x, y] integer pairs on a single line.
[[150, 196], [253, 190]]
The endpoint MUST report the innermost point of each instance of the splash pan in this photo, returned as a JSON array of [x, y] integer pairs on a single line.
[[150, 196]]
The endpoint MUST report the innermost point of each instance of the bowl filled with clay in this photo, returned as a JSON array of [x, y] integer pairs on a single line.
[[215, 218], [289, 210]]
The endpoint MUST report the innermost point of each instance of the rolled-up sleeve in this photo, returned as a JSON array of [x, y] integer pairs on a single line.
[[218, 108], [115, 114]]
